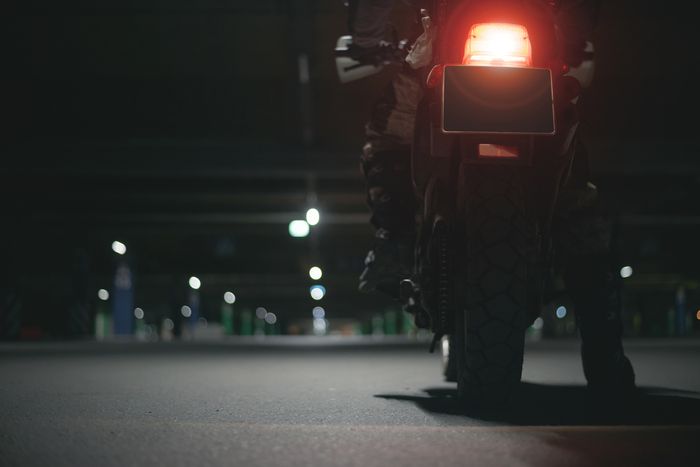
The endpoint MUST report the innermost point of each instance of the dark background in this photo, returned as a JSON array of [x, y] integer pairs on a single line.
[[183, 129]]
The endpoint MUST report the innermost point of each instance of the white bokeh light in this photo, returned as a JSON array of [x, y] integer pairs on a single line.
[[315, 273], [320, 326], [318, 312], [138, 313], [118, 247], [317, 292], [538, 324], [313, 216], [270, 318], [626, 272], [298, 228], [102, 294], [186, 311], [195, 283], [230, 298]]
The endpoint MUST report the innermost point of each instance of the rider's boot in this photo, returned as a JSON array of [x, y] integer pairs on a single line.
[[388, 262], [596, 293]]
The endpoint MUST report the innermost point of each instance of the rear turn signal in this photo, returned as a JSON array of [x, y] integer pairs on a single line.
[[498, 44]]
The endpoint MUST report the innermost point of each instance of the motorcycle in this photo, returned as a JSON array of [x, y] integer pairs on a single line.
[[495, 136]]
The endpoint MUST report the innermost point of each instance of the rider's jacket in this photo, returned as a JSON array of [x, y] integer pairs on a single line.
[[368, 19]]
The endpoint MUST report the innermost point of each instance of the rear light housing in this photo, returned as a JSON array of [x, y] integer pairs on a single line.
[[498, 44]]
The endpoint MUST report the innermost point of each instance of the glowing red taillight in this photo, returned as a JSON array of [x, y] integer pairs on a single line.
[[498, 44]]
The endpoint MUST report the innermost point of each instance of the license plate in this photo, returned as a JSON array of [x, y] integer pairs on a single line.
[[507, 100]]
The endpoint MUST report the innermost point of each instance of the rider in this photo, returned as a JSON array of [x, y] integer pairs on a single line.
[[580, 230]]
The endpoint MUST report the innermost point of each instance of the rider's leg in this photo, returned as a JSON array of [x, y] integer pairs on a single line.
[[582, 236], [386, 165]]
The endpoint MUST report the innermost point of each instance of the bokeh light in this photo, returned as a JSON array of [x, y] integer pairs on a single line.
[[298, 228], [230, 298], [319, 312], [626, 271], [538, 324], [270, 318], [315, 273], [313, 216], [317, 292], [561, 312], [320, 326], [168, 324], [195, 283], [118, 247]]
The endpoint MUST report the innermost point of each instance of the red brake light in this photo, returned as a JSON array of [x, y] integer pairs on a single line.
[[498, 44]]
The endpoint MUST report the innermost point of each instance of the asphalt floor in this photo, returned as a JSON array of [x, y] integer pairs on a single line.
[[332, 401]]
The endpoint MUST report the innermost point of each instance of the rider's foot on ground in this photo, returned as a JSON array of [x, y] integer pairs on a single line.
[[612, 392], [387, 263], [609, 374]]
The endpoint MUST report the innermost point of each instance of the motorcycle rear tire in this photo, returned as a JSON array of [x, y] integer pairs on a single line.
[[493, 266]]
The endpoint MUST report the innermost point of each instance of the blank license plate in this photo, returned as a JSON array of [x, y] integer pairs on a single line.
[[485, 99]]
